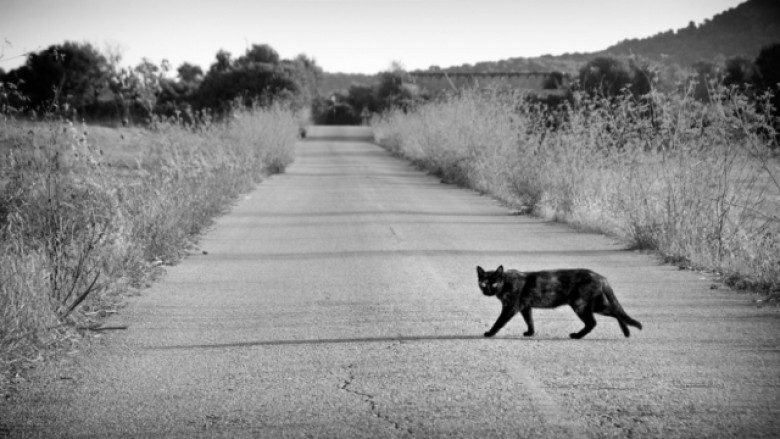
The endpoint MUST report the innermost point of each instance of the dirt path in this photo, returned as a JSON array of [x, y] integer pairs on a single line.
[[340, 300]]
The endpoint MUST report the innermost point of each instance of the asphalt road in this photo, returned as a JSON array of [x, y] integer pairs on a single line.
[[340, 300]]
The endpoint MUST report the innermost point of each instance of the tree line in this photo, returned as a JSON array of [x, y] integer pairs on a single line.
[[76, 79], [601, 77], [609, 77]]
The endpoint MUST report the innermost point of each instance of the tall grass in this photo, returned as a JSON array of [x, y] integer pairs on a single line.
[[697, 182], [76, 223]]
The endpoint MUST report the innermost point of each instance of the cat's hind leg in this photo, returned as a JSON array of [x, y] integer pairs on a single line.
[[585, 313], [623, 327], [607, 310]]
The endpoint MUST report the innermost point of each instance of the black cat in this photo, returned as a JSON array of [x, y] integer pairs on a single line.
[[585, 291]]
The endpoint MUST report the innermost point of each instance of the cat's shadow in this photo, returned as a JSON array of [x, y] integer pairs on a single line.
[[362, 340]]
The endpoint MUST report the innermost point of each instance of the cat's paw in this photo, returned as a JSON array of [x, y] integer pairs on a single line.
[[575, 335], [528, 333], [489, 334]]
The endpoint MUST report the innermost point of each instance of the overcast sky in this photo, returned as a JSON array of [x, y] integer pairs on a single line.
[[356, 36]]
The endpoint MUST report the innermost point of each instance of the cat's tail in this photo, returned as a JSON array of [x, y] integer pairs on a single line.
[[620, 314]]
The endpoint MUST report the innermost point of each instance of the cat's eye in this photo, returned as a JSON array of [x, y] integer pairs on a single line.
[[495, 285]]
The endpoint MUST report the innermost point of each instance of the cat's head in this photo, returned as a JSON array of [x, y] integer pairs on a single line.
[[490, 282]]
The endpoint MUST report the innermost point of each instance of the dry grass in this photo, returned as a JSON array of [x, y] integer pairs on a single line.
[[87, 211], [698, 183]]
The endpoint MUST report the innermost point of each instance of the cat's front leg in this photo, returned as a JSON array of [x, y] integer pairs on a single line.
[[506, 314], [529, 321]]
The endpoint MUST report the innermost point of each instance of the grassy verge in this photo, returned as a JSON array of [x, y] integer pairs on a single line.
[[697, 182], [87, 212]]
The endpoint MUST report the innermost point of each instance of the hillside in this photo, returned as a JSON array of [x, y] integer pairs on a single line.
[[739, 31]]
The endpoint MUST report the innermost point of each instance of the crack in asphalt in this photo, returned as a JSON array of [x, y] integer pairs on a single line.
[[346, 385]]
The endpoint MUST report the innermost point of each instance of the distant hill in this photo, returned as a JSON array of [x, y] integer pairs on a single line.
[[739, 31], [563, 63]]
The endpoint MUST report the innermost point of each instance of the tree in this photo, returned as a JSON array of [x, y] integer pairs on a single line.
[[307, 76], [553, 81], [738, 71], [258, 76], [642, 77], [258, 53], [11, 99], [139, 86], [224, 62], [175, 96], [393, 91], [189, 73], [604, 76], [66, 75], [334, 111], [362, 96], [148, 77], [767, 67]]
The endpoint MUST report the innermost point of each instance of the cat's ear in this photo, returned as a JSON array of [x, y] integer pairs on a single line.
[[480, 272], [500, 270]]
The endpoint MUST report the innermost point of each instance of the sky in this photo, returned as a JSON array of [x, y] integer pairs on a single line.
[[350, 36]]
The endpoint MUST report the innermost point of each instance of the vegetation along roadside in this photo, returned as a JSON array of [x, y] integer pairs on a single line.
[[90, 212], [697, 181], [109, 173]]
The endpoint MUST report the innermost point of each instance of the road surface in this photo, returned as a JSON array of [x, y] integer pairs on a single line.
[[340, 300]]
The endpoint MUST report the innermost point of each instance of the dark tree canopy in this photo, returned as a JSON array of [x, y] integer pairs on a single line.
[[189, 73], [737, 71], [258, 53], [767, 72], [258, 76], [608, 77], [223, 63], [768, 66], [362, 96], [69, 73], [553, 81], [642, 77], [77, 76], [392, 91], [604, 76]]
